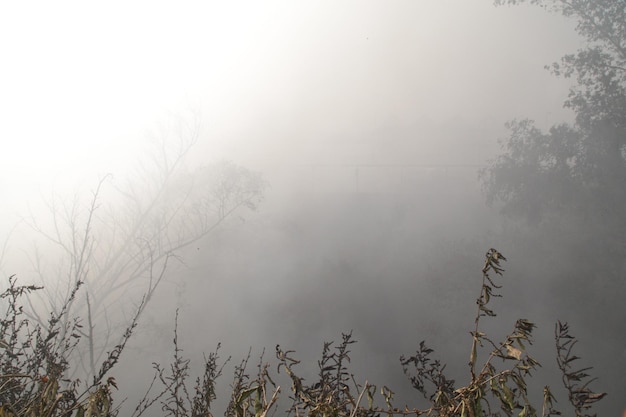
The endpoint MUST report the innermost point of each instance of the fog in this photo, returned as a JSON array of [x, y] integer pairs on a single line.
[[368, 120]]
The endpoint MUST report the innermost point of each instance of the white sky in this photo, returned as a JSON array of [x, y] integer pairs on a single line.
[[81, 81]]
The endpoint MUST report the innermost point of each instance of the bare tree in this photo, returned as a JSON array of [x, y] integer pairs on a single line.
[[122, 239]]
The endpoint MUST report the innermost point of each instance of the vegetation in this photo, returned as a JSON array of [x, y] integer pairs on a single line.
[[563, 190], [119, 254], [573, 169], [34, 374], [570, 180]]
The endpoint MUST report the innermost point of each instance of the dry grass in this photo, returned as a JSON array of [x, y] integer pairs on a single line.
[[34, 372]]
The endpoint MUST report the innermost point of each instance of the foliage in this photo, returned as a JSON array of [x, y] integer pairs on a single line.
[[249, 396], [577, 169], [34, 364], [600, 67], [581, 397], [491, 386], [34, 368], [499, 386], [331, 394], [569, 183]]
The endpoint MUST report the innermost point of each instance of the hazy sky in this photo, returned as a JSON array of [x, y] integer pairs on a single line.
[[80, 82]]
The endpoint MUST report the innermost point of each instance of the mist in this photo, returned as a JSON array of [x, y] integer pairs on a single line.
[[369, 123]]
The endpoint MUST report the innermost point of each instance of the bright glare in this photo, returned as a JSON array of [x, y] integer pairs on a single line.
[[81, 82]]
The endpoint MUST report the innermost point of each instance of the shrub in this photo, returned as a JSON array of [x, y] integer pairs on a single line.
[[34, 364], [34, 374]]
